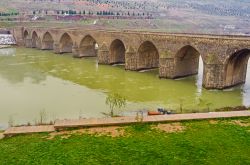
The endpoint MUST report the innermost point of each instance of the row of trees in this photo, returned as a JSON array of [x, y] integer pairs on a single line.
[[102, 13], [122, 14], [105, 13], [9, 14]]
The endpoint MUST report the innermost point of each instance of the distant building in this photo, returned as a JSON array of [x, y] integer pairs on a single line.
[[229, 27]]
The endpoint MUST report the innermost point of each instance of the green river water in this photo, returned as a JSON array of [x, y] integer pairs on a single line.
[[32, 81]]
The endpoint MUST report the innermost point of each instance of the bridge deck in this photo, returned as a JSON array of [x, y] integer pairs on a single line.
[[151, 32], [63, 124]]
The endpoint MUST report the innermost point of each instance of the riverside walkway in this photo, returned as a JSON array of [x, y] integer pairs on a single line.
[[28, 129], [64, 124]]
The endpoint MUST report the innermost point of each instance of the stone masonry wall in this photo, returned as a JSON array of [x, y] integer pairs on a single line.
[[214, 50]]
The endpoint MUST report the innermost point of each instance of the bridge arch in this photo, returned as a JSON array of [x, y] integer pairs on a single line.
[[47, 41], [148, 56], [35, 40], [88, 47], [187, 61], [65, 43], [236, 68], [25, 34], [117, 52]]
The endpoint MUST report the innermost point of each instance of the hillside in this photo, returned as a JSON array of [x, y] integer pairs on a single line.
[[231, 16], [212, 7]]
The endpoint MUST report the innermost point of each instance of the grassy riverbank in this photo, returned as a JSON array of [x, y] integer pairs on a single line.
[[196, 142]]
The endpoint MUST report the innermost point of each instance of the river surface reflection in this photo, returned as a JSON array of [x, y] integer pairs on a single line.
[[32, 81]]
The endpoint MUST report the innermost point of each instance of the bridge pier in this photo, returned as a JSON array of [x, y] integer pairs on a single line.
[[28, 43], [75, 50], [131, 60], [213, 75], [38, 44], [56, 48], [19, 35], [166, 68], [103, 56]]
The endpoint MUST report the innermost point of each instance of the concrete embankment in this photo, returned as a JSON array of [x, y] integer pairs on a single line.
[[79, 123]]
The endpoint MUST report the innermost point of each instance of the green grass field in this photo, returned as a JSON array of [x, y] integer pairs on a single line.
[[200, 142]]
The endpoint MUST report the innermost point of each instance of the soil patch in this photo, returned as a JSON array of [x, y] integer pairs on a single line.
[[112, 131], [170, 128], [240, 123], [213, 122], [98, 131]]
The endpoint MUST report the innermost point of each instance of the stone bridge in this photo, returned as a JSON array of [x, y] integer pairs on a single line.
[[225, 58]]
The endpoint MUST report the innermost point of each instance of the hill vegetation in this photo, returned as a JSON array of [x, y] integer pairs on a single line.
[[207, 16], [239, 8]]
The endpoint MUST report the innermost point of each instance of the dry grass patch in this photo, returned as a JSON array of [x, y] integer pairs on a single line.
[[170, 127], [113, 131], [240, 123], [213, 122]]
